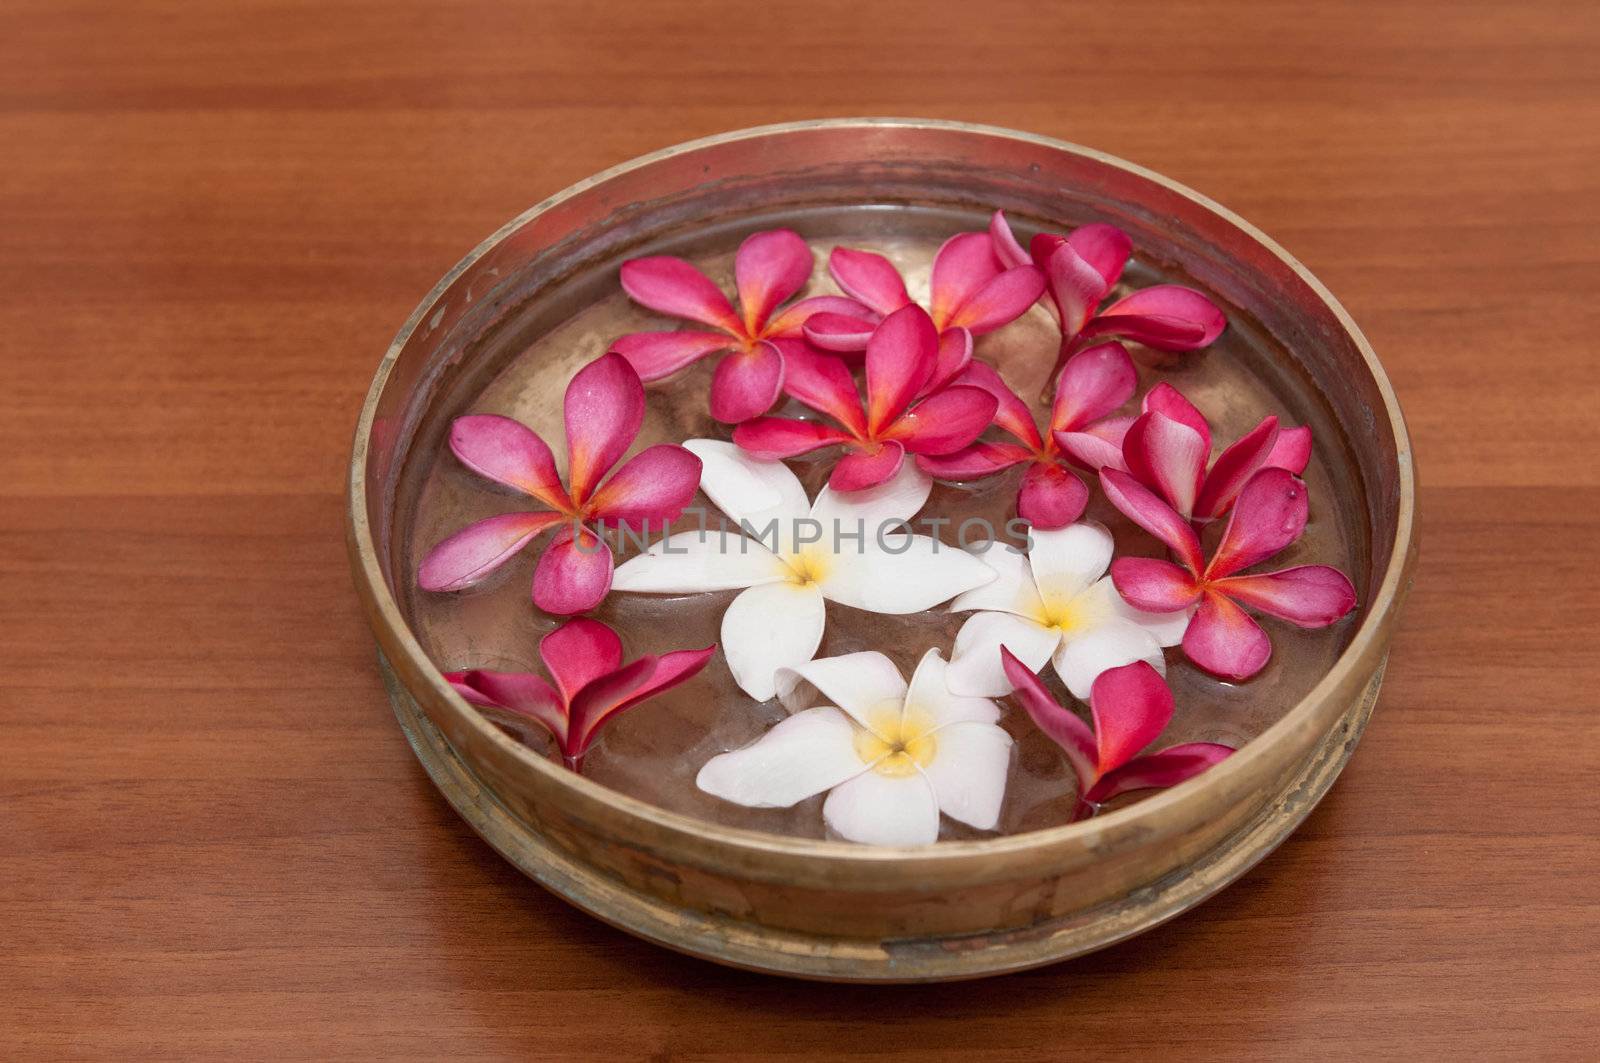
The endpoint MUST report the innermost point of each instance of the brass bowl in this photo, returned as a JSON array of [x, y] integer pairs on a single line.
[[831, 910]]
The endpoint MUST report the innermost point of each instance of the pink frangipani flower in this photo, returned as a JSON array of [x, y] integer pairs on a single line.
[[971, 292], [901, 358], [1094, 382], [1269, 515], [604, 409], [591, 685], [1080, 270], [768, 268], [1166, 448], [1130, 707]]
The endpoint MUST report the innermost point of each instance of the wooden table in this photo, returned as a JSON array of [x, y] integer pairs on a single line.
[[213, 839]]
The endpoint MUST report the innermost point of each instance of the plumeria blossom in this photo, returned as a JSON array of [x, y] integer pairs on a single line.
[[604, 408], [1094, 382], [890, 756], [591, 686], [971, 292], [1269, 515], [1055, 604], [790, 556], [769, 268], [1080, 270], [1130, 707], [1168, 445], [902, 358]]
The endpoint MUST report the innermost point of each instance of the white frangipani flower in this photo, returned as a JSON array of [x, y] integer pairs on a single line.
[[851, 548], [891, 757], [1055, 603]]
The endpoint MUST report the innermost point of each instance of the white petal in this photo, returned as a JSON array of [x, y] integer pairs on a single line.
[[914, 572], [1168, 628], [770, 626], [897, 500], [975, 667], [864, 684], [690, 561], [1066, 560], [1012, 590], [968, 772], [931, 695], [805, 754], [884, 810], [1082, 657], [750, 490]]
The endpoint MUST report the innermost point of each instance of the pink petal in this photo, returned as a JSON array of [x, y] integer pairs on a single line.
[[860, 469], [963, 265], [1233, 469], [607, 697], [579, 652], [824, 383], [1099, 446], [999, 302], [1309, 595], [768, 268], [839, 332], [1075, 285], [650, 490], [508, 452], [1131, 706], [1011, 414], [1154, 585], [1061, 726], [1167, 456], [1159, 771], [573, 574], [974, 462], [1142, 507], [1167, 316], [1269, 515], [945, 421], [604, 408], [783, 437], [672, 286], [1006, 247], [1223, 640], [746, 383], [1105, 247], [1169, 401], [869, 279], [656, 355], [519, 693], [791, 320], [478, 549], [1092, 384], [955, 354], [1050, 496], [1292, 451], [901, 357]]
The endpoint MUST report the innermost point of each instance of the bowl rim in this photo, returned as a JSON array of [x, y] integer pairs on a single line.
[[1367, 646]]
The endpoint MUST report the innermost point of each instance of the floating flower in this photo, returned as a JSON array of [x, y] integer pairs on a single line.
[[971, 292], [890, 757], [1093, 383], [1269, 515], [604, 408], [592, 686], [1166, 448], [1130, 706], [901, 360], [1081, 269], [789, 557], [1056, 604], [768, 268]]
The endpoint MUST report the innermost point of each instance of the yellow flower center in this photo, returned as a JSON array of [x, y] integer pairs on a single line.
[[897, 744], [809, 566]]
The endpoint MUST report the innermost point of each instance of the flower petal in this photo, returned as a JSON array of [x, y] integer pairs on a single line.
[[1011, 591], [861, 469], [774, 438], [1292, 450], [1270, 514], [963, 266], [1131, 706], [824, 383], [669, 285], [975, 665], [1141, 506], [1154, 585], [520, 693], [746, 383], [1308, 595], [751, 491], [869, 279], [1011, 413], [803, 755], [1060, 725], [1168, 400], [901, 358], [1000, 301], [1050, 496], [1006, 247], [1092, 384], [968, 772], [768, 268], [573, 574], [1082, 657], [931, 696], [1234, 467], [508, 452], [1224, 641], [1075, 286], [973, 462], [604, 407], [692, 562], [955, 354], [651, 488], [1065, 561], [1165, 626], [1105, 247], [579, 652], [768, 627], [790, 322], [657, 355], [863, 684], [608, 696], [876, 809], [844, 333], [1169, 317], [1168, 457], [897, 499], [1099, 446], [478, 549], [903, 574], [1159, 771], [945, 421]]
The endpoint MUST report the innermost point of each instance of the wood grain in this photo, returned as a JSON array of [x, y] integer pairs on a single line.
[[214, 841]]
